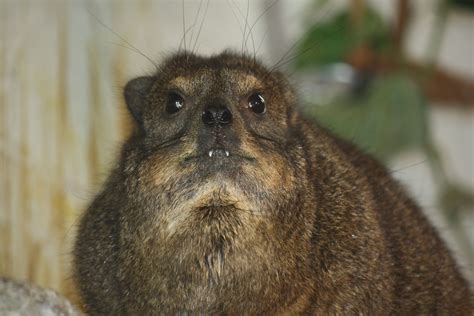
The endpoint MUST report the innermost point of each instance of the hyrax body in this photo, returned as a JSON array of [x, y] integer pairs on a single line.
[[226, 200]]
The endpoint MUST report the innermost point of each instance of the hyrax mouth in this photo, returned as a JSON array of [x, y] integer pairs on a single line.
[[215, 155], [218, 153]]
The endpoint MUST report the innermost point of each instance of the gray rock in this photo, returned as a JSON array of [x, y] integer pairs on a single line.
[[21, 298]]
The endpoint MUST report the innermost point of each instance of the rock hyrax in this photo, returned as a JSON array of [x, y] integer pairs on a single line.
[[226, 200]]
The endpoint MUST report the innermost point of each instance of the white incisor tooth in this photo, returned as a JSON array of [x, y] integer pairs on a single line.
[[227, 153], [211, 152]]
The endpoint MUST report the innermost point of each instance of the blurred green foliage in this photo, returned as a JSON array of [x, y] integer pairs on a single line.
[[384, 113], [392, 117], [330, 41], [466, 4]]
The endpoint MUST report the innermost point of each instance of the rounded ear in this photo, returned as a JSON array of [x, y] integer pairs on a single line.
[[134, 92]]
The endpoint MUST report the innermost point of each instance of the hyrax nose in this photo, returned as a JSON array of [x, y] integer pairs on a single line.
[[217, 115]]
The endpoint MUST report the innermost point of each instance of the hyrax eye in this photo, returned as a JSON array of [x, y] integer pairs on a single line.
[[174, 103], [256, 103]]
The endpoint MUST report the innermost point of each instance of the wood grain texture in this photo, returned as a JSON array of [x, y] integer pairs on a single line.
[[61, 121]]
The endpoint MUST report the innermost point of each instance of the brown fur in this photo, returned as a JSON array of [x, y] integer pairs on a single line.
[[304, 223]]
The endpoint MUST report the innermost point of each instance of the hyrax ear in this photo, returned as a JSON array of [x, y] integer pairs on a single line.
[[135, 92]]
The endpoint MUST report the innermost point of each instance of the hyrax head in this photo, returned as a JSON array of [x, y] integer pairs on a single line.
[[214, 131]]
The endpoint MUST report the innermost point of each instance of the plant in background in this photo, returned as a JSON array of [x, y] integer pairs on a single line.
[[385, 109]]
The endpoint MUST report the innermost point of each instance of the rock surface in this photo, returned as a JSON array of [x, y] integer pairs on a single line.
[[21, 298]]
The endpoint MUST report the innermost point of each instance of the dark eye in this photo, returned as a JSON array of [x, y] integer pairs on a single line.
[[257, 103], [174, 103]]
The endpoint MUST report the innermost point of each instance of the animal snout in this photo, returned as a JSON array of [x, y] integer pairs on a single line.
[[216, 115]]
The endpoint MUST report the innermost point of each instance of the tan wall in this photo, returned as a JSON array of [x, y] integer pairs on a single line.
[[60, 121]]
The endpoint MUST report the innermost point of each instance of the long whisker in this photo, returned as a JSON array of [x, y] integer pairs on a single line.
[[245, 29], [258, 18], [293, 57], [409, 166], [200, 27], [284, 61], [245, 25], [184, 25], [195, 20], [262, 40], [123, 46], [182, 39], [274, 141], [243, 16], [250, 30], [122, 38], [169, 142], [236, 17]]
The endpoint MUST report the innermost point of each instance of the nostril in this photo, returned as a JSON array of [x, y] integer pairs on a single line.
[[226, 116], [208, 117], [216, 115]]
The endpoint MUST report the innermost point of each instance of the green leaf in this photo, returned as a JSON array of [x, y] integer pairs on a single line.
[[333, 40], [392, 118]]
